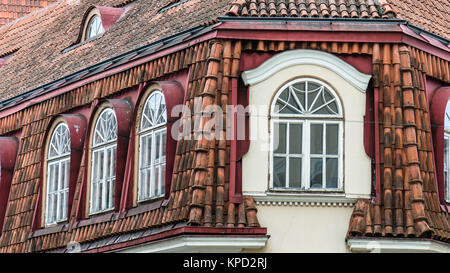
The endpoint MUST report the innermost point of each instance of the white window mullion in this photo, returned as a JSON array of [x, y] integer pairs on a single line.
[[324, 155], [160, 162], [307, 148], [152, 164], [288, 125], [103, 181]]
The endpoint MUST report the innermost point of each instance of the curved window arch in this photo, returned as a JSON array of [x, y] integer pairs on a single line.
[[152, 132], [306, 137], [103, 164], [58, 170], [447, 153]]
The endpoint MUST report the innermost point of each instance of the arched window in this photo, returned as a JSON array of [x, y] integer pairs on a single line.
[[103, 164], [446, 152], [152, 147], [306, 137], [95, 27], [58, 170]]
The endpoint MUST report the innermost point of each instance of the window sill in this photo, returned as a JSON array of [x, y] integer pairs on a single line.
[[145, 206], [97, 219], [49, 230], [292, 198]]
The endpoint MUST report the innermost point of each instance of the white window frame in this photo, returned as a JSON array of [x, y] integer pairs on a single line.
[[103, 147], [306, 156], [59, 214], [159, 129]]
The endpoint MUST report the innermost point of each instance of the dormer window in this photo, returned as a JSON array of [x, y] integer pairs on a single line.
[[95, 27], [98, 20]]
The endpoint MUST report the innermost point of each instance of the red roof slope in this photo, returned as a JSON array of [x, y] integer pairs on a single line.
[[40, 38], [432, 15], [13, 9]]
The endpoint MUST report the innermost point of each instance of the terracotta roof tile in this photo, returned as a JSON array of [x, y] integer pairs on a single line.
[[432, 15], [13, 9], [60, 24]]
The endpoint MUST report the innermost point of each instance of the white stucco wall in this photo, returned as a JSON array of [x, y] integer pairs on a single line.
[[299, 226], [304, 229]]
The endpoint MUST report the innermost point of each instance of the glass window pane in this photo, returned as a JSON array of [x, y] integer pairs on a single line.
[[295, 139], [332, 173], [157, 147], [163, 180], [67, 175], [108, 163], [332, 139], [316, 138], [56, 179], [164, 139], [279, 172], [50, 209], [156, 183], [316, 173], [149, 150], [299, 90], [295, 172], [101, 165], [113, 160], [279, 140]]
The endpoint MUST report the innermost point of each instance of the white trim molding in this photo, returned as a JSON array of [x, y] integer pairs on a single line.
[[307, 57], [303, 199], [196, 244], [397, 245]]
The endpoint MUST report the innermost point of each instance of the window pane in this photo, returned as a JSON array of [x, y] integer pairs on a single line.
[[316, 173], [101, 165], [56, 179], [295, 172], [332, 139], [157, 180], [279, 172], [163, 180], [295, 139], [113, 160], [299, 90], [332, 173], [279, 141], [149, 150], [157, 148], [316, 138], [164, 136]]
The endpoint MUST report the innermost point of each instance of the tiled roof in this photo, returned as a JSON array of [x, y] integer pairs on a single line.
[[409, 205], [311, 8], [41, 37], [432, 15], [13, 9], [199, 194]]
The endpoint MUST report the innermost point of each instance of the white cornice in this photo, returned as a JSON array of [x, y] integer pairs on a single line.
[[207, 244], [397, 245], [307, 57], [304, 199]]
